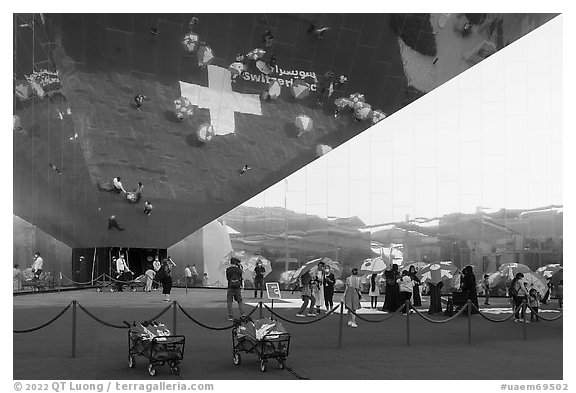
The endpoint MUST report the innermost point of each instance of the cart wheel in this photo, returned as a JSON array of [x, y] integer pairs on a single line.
[[174, 369], [131, 361], [281, 364], [236, 359], [151, 370], [263, 365]]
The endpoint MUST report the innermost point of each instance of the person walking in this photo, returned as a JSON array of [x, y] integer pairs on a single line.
[[406, 287], [234, 292], [259, 271], [37, 265], [416, 299], [194, 272], [519, 293], [486, 287], [329, 282], [534, 302], [306, 283], [188, 274], [113, 223], [469, 287], [374, 291], [165, 273], [352, 297], [121, 270], [392, 298]]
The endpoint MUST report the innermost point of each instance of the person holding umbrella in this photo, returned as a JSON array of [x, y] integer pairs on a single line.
[[259, 278], [519, 293]]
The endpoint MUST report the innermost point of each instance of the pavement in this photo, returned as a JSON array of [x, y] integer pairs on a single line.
[[376, 350]]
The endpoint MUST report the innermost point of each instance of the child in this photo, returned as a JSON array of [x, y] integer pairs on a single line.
[[486, 286], [534, 302], [205, 280], [560, 293]]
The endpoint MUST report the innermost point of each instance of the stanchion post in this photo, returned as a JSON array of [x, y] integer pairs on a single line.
[[524, 318], [260, 307], [73, 328], [186, 284], [340, 325], [407, 308], [174, 312], [272, 310], [469, 312]]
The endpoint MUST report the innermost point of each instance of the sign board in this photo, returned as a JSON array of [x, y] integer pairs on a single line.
[[273, 290]]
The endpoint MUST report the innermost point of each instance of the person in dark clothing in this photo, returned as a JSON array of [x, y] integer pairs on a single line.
[[234, 277], [469, 287], [259, 271], [267, 39], [329, 281], [435, 291], [165, 274], [392, 299], [113, 223], [416, 300]]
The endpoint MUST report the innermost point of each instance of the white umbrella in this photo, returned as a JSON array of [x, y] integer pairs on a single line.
[[304, 124], [190, 42], [322, 149], [373, 265], [250, 264], [205, 132], [377, 116], [183, 108], [205, 56], [286, 276], [274, 89], [535, 281], [236, 68], [256, 54], [362, 111]]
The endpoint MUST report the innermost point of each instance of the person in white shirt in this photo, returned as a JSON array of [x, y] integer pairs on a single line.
[[118, 185], [150, 274], [188, 274], [156, 267], [121, 269], [406, 286], [194, 272], [37, 265]]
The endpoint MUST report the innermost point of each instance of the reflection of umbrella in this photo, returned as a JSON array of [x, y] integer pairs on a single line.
[[304, 124], [310, 265], [190, 42], [263, 67], [377, 116], [373, 265], [550, 270], [417, 265], [274, 90], [511, 269], [496, 278], [340, 284], [535, 281], [286, 276], [183, 108], [236, 68], [322, 149], [343, 102], [335, 267], [250, 264], [437, 272], [205, 132], [256, 54], [357, 98], [362, 111], [205, 56], [300, 89]]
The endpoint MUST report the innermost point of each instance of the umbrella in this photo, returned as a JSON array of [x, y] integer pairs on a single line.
[[256, 54], [496, 278], [511, 269], [183, 108], [274, 90], [343, 102], [190, 42], [312, 266], [205, 56], [304, 124], [339, 285], [373, 265], [322, 149], [335, 267], [377, 116], [550, 270], [362, 111], [417, 265], [236, 68], [535, 281], [437, 272], [286, 276], [250, 264], [205, 132], [23, 90], [300, 89]]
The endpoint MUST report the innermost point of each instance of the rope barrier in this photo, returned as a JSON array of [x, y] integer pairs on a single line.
[[544, 318], [126, 325], [301, 322], [460, 312], [498, 320], [44, 324], [201, 324], [160, 314], [81, 283], [390, 316]]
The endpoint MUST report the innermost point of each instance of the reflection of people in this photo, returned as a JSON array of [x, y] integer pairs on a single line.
[[37, 265], [406, 287], [469, 287], [150, 274], [534, 303], [205, 280], [416, 300], [486, 287], [194, 272], [560, 293], [307, 295], [121, 270], [259, 278], [118, 185], [113, 223], [166, 274], [234, 292], [318, 286], [17, 278], [188, 274], [392, 297], [352, 296], [519, 293], [374, 291], [435, 297], [156, 266], [329, 282]]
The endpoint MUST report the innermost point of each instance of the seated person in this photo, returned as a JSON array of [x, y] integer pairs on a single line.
[[118, 185]]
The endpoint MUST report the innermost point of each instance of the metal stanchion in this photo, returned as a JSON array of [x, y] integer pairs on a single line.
[[340, 325], [469, 312], [407, 308], [73, 328], [260, 307], [524, 318], [174, 304]]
